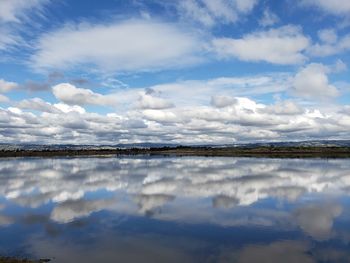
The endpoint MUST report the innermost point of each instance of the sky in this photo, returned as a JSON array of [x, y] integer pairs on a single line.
[[180, 71]]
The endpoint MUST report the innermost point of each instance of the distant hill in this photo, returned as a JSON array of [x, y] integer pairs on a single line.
[[313, 143]]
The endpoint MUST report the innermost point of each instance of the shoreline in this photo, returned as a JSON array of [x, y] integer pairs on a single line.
[[263, 152], [16, 260]]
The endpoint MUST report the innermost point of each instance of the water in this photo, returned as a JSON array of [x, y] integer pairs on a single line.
[[156, 209]]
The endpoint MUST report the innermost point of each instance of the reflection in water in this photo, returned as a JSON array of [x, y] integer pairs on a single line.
[[189, 209], [317, 220], [285, 251]]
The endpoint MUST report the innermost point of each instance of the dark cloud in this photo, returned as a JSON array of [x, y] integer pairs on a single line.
[[43, 85], [80, 81]]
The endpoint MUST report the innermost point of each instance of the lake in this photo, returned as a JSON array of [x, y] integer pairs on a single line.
[[175, 209]]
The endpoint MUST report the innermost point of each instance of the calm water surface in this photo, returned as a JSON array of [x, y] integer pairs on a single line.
[[155, 209]]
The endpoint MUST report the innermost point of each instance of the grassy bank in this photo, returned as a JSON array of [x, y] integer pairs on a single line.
[[266, 152], [14, 260]]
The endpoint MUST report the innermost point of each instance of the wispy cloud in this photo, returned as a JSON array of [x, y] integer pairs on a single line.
[[12, 15], [212, 12], [335, 7]]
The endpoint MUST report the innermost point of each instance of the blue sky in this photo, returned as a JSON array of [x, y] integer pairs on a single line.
[[184, 71]]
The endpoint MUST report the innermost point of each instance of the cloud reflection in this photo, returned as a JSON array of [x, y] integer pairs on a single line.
[[143, 186], [283, 251], [147, 200], [317, 219]]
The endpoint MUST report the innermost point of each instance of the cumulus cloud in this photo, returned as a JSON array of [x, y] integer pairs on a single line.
[[209, 12], [312, 82], [149, 101], [121, 46], [163, 117], [69, 108], [207, 111], [38, 105], [70, 94], [284, 45], [283, 108], [222, 101], [42, 106]]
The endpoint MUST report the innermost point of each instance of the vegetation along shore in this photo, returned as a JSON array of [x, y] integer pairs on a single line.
[[263, 151]]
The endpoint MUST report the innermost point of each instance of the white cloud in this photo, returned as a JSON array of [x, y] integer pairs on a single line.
[[283, 45], [15, 110], [269, 18], [148, 101], [207, 111], [212, 12], [334, 7], [6, 86], [312, 82], [70, 94], [41, 106], [38, 105], [69, 108], [123, 46], [160, 116], [222, 101], [284, 108], [330, 45]]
